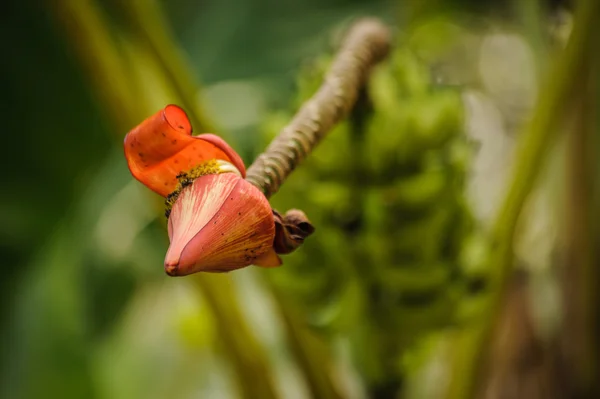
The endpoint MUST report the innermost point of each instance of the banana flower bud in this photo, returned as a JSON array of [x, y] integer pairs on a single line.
[[217, 221]]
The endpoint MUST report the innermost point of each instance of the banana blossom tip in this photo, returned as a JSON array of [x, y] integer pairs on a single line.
[[218, 224]]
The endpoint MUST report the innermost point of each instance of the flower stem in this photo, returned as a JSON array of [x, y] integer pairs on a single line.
[[366, 44]]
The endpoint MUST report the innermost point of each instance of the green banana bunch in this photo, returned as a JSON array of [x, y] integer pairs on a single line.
[[395, 254]]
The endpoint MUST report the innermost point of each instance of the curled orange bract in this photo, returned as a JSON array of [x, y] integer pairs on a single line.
[[162, 146]]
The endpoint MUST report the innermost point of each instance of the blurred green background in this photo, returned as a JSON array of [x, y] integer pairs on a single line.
[[394, 294]]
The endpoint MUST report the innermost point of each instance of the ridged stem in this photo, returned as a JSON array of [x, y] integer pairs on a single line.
[[367, 43]]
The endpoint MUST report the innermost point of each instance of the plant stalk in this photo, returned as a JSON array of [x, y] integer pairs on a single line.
[[537, 137], [367, 43]]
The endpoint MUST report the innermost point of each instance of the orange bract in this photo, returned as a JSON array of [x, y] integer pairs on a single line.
[[162, 146]]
